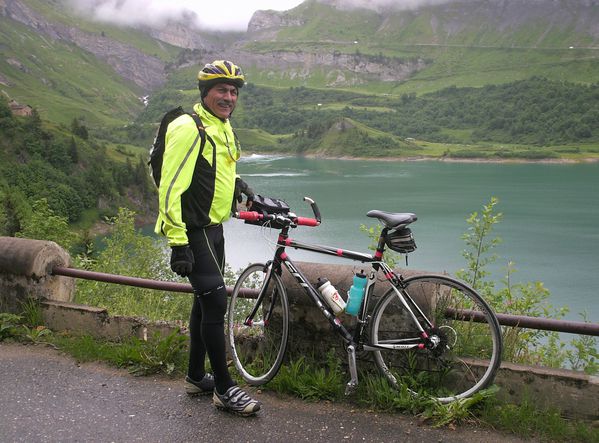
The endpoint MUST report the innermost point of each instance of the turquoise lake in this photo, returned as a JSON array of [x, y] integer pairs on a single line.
[[550, 224]]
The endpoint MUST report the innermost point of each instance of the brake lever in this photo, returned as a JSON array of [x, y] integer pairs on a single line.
[[314, 207]]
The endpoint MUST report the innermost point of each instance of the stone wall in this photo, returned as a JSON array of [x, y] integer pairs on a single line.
[[309, 331], [24, 272]]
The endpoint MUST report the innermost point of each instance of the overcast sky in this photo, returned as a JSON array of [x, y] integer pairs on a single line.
[[226, 15], [230, 15]]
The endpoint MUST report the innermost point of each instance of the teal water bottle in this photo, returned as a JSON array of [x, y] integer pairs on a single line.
[[356, 293]]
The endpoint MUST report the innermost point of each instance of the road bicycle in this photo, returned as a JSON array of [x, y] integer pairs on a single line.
[[431, 334]]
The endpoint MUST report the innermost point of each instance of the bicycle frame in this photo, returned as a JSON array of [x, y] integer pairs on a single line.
[[424, 336], [282, 258]]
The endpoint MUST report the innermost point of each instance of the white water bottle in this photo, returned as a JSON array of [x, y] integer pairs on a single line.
[[331, 295]]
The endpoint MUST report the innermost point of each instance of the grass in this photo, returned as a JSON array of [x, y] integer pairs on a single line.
[[258, 139], [120, 152], [75, 84], [525, 420], [504, 151], [167, 355]]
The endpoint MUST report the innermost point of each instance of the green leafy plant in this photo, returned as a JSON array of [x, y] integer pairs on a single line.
[[311, 381], [527, 346], [31, 312], [459, 410], [43, 224], [373, 233], [128, 252], [479, 245], [9, 325], [160, 354], [529, 421], [375, 392], [36, 334]]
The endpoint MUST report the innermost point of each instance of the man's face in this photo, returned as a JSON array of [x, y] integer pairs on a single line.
[[221, 99]]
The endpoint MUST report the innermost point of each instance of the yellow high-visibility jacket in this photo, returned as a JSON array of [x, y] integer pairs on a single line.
[[196, 189]]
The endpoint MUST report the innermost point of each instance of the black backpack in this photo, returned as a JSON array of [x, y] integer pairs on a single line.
[[157, 149]]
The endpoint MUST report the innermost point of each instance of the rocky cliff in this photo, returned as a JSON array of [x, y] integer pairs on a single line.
[[265, 24], [144, 70], [535, 23], [341, 69]]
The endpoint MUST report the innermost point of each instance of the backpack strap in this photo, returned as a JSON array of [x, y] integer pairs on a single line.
[[201, 130]]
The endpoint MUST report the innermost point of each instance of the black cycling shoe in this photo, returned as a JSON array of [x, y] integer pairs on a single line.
[[204, 386], [237, 401]]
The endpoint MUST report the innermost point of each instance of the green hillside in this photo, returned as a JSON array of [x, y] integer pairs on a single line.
[[60, 80], [490, 44], [73, 172], [59, 12]]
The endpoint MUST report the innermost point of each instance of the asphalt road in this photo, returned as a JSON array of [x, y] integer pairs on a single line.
[[46, 396]]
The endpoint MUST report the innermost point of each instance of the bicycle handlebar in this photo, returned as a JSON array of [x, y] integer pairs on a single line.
[[290, 219], [285, 219]]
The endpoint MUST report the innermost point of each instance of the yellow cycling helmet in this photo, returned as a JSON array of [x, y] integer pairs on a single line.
[[220, 71]]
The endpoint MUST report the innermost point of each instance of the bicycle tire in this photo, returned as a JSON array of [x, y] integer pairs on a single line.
[[469, 352], [258, 349]]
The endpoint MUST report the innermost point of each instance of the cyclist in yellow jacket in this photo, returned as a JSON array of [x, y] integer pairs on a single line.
[[196, 193]]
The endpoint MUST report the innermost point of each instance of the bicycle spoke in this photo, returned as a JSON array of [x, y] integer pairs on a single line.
[[258, 343], [460, 353]]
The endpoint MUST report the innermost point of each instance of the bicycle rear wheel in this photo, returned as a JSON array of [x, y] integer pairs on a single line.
[[258, 344], [464, 352]]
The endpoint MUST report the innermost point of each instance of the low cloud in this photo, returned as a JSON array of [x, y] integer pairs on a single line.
[[133, 12], [232, 15]]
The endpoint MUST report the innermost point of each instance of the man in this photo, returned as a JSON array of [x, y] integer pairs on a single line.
[[196, 194]]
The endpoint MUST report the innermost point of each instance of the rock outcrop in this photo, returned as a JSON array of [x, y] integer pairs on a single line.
[[144, 70]]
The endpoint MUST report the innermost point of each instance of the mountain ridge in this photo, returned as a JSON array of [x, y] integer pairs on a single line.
[[316, 44]]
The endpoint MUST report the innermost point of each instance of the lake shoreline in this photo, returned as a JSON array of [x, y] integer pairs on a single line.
[[558, 161], [564, 161]]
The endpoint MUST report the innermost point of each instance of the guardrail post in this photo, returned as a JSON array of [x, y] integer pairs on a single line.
[[25, 267]]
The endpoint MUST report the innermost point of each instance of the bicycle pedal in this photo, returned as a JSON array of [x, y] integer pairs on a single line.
[[350, 388]]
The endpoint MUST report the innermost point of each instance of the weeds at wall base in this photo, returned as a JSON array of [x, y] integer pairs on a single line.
[[167, 355], [304, 378]]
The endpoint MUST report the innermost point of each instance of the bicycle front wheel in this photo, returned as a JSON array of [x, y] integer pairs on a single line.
[[462, 352], [258, 328]]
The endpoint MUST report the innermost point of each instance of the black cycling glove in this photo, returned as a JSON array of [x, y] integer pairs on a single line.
[[241, 187], [182, 260]]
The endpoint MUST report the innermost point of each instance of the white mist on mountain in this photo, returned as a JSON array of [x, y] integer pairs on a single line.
[[233, 15]]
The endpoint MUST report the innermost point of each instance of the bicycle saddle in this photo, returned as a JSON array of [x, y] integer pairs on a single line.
[[393, 220]]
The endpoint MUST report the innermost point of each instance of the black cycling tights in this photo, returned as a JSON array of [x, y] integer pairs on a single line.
[[206, 323]]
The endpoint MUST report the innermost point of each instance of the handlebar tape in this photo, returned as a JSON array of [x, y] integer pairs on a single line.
[[255, 216], [304, 221], [250, 215]]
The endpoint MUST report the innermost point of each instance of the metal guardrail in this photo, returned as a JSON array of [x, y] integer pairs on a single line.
[[521, 321]]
